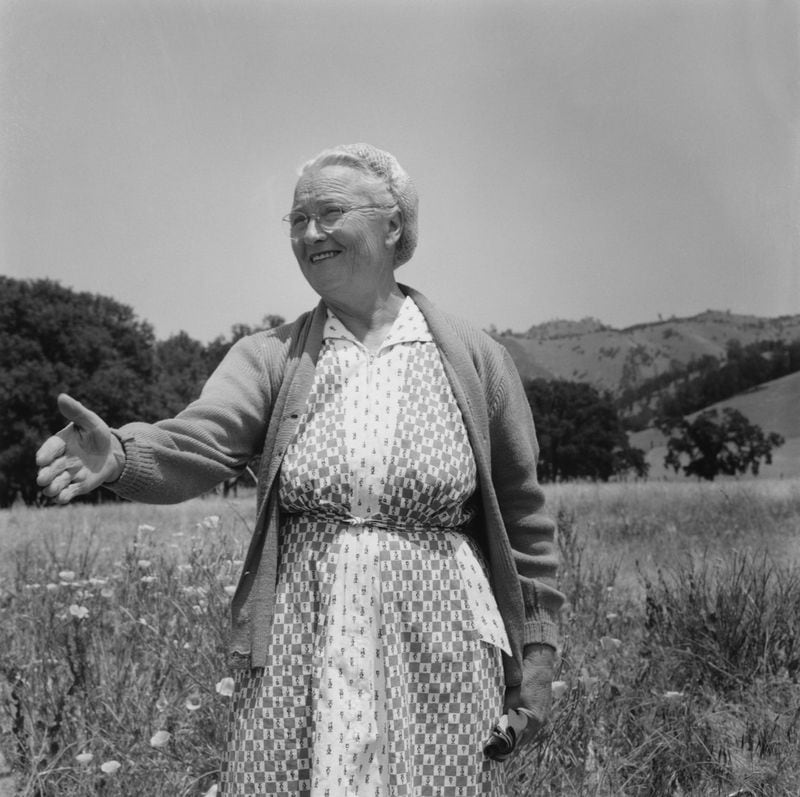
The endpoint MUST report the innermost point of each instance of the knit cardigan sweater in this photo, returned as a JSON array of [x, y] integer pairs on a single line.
[[252, 404]]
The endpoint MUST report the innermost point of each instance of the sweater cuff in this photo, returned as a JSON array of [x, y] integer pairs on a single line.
[[139, 471], [541, 629]]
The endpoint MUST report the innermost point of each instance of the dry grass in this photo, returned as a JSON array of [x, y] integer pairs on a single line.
[[679, 668]]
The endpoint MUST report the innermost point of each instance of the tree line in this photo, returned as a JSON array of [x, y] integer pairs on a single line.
[[53, 339], [684, 389]]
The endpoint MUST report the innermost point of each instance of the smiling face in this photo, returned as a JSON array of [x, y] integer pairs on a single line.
[[356, 259]]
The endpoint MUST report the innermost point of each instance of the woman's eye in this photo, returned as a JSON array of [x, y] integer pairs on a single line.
[[298, 220], [330, 215]]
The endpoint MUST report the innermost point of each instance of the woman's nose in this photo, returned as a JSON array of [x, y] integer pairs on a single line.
[[313, 231]]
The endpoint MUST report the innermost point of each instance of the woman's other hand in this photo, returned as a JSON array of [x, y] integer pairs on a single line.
[[534, 695], [81, 457]]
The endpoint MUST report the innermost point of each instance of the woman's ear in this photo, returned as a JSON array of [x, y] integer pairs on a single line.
[[394, 228]]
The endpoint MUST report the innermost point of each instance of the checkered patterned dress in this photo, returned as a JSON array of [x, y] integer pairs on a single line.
[[384, 674]]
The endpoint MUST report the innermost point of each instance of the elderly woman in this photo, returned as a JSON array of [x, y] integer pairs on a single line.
[[398, 593]]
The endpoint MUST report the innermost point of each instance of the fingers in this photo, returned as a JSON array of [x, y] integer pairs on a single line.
[[57, 484], [49, 451], [74, 411], [49, 470]]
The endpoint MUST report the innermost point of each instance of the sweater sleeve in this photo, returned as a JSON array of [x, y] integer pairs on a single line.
[[211, 440], [531, 532]]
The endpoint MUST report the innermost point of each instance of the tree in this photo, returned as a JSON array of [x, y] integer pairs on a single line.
[[707, 447], [51, 340], [219, 347], [181, 369], [580, 433]]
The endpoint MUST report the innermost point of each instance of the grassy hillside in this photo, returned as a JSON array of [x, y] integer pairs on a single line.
[[611, 359], [773, 406]]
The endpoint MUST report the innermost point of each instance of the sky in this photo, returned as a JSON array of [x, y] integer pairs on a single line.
[[619, 159]]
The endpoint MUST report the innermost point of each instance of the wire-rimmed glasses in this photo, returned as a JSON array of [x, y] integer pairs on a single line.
[[328, 218]]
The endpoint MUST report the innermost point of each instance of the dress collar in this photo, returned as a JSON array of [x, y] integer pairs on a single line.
[[408, 327]]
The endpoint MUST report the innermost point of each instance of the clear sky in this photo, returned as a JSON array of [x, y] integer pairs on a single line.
[[611, 158]]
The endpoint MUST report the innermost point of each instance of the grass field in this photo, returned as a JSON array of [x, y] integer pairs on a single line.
[[678, 674]]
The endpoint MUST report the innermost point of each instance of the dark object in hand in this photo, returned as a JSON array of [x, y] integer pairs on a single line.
[[505, 735]]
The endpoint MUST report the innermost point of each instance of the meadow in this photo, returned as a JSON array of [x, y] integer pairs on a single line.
[[678, 673]]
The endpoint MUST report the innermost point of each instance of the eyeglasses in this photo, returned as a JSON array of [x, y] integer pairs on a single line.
[[328, 218]]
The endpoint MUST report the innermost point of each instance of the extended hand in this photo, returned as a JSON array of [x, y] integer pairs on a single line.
[[82, 456], [534, 695]]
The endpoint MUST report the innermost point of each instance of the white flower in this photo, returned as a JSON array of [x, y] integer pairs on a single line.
[[230, 589], [66, 575], [612, 616], [558, 688], [98, 582], [81, 612], [610, 643], [51, 587], [84, 758], [148, 579], [145, 527], [107, 592], [673, 697], [225, 687], [160, 738], [144, 564], [193, 703], [110, 767]]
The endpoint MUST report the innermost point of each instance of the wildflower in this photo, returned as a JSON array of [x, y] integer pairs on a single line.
[[558, 688], [230, 589], [98, 582], [673, 697], [33, 586], [144, 564], [145, 527], [192, 702], [107, 593], [225, 687], [51, 587], [612, 616], [66, 575], [210, 522], [148, 579], [110, 767], [81, 612], [84, 758], [197, 609], [160, 738], [608, 643]]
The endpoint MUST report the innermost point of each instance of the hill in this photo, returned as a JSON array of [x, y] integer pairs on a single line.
[[773, 406], [614, 359]]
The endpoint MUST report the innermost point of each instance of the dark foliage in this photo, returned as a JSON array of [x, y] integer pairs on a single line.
[[687, 388], [54, 340], [708, 447], [580, 433]]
